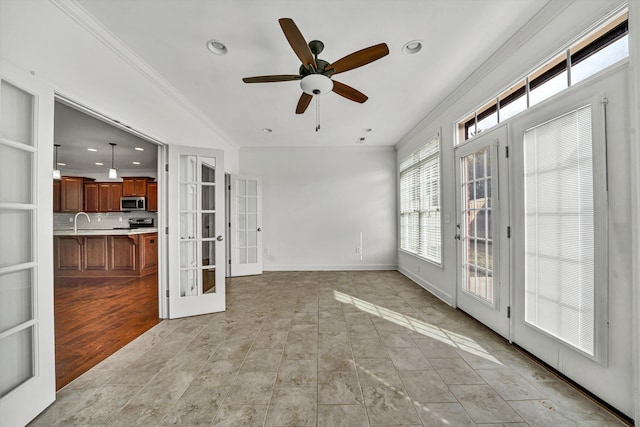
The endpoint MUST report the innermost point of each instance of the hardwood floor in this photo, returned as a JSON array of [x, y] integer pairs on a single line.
[[96, 317]]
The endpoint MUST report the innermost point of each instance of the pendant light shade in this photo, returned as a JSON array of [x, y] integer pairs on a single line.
[[113, 173], [56, 172]]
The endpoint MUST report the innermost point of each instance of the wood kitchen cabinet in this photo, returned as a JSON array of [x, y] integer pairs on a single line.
[[131, 255], [109, 194], [102, 196], [57, 187], [152, 196], [135, 186], [71, 193]]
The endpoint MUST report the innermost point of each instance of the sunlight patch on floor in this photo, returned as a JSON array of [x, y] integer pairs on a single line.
[[453, 339]]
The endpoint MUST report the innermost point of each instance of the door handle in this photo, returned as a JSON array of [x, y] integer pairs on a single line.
[[259, 229], [457, 236], [219, 238]]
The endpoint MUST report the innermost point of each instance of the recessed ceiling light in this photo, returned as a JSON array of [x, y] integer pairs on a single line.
[[139, 149], [217, 47], [99, 164], [412, 47], [360, 140], [267, 130], [136, 163], [92, 149], [367, 129]]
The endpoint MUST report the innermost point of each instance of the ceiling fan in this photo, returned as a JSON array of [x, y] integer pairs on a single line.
[[315, 74]]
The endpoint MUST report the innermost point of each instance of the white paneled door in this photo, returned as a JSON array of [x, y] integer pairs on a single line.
[[196, 231], [246, 225], [483, 256], [27, 363]]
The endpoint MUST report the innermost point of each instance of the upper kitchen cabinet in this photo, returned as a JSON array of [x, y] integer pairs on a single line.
[[71, 193], [102, 196], [135, 186], [152, 196]]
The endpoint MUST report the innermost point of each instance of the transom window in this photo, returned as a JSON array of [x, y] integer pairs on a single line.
[[601, 48], [420, 226]]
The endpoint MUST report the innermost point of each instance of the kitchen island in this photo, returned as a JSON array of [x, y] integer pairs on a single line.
[[105, 252]]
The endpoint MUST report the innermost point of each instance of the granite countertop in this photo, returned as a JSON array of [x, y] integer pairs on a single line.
[[104, 231]]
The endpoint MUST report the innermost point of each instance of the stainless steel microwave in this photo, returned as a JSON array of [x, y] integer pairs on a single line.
[[133, 204]]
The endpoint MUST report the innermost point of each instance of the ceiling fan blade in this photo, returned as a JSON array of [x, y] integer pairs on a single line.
[[303, 103], [359, 58], [349, 92], [297, 42], [270, 79]]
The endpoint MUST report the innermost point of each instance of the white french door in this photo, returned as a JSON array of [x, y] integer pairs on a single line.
[[196, 231], [560, 226], [246, 225], [27, 362], [481, 231]]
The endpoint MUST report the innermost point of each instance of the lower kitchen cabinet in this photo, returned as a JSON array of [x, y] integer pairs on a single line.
[[129, 255]]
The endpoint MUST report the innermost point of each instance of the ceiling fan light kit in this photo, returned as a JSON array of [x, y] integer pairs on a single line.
[[316, 74]]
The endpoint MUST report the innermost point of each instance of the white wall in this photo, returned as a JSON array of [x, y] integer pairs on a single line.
[[317, 201], [85, 64]]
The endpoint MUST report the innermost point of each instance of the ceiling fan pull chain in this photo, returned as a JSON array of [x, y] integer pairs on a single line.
[[317, 113]]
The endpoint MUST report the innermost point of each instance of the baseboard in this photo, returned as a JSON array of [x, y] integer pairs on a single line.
[[439, 293], [330, 267]]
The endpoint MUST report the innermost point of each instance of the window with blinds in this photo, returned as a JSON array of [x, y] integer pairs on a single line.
[[559, 229], [420, 226]]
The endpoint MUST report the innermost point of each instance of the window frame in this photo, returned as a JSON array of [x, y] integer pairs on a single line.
[[609, 31], [438, 157]]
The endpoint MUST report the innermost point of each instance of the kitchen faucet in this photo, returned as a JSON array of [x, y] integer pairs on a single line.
[[75, 221]]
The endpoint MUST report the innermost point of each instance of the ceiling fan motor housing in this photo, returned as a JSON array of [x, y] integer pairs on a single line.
[[316, 84]]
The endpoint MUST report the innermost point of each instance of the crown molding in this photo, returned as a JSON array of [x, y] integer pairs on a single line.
[[94, 27], [286, 148], [515, 42]]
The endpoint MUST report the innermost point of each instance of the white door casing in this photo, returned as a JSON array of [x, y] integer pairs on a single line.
[[27, 361], [196, 213], [483, 288], [246, 225]]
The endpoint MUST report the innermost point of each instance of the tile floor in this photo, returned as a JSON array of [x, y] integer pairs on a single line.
[[322, 349]]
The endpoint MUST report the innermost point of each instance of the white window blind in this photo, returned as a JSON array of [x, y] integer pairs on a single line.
[[559, 229], [420, 227]]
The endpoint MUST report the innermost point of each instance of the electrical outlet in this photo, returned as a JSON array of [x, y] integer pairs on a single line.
[[70, 219], [99, 219], [120, 219], [265, 251], [357, 250]]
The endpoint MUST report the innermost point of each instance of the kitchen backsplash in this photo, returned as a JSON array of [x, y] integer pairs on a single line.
[[102, 220]]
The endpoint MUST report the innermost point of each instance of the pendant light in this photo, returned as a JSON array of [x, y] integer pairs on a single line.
[[56, 172], [113, 173]]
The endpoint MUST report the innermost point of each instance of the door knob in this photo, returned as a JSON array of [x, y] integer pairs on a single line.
[[219, 238], [259, 229]]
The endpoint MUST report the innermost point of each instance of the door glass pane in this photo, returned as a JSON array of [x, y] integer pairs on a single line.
[[208, 225], [188, 283], [208, 197], [16, 120], [209, 170], [209, 253], [16, 168], [252, 255], [188, 168], [16, 296], [188, 197], [209, 280], [477, 235], [187, 225], [188, 254], [16, 230], [16, 360], [252, 188], [559, 229]]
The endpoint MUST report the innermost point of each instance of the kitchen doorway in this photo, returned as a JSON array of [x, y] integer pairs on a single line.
[[107, 258]]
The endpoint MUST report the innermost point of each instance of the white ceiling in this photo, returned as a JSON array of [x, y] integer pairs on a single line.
[[170, 36], [76, 132]]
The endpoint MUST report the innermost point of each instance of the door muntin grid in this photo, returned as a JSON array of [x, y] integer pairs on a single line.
[[247, 217], [197, 225], [477, 225]]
